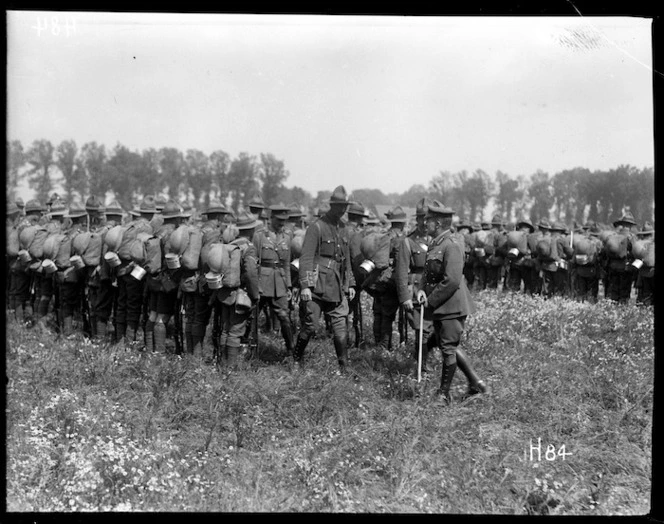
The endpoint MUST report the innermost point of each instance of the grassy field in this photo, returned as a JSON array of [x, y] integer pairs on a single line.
[[92, 428]]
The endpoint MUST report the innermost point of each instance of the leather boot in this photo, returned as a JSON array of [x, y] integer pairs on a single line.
[[130, 337], [446, 381], [67, 326], [342, 352], [232, 356], [100, 330], [189, 339], [120, 332], [160, 337], [42, 307], [148, 336], [287, 333], [18, 313], [475, 385], [198, 346], [298, 351]]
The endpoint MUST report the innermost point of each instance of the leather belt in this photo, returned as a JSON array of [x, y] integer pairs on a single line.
[[271, 263]]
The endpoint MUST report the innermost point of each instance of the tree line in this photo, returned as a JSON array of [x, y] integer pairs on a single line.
[[192, 176]]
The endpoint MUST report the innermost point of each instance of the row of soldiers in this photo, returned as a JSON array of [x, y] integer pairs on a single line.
[[282, 263], [620, 258]]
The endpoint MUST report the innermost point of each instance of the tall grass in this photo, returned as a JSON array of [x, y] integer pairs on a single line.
[[93, 428]]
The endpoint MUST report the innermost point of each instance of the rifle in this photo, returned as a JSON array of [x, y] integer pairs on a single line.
[[401, 326], [85, 312], [179, 313]]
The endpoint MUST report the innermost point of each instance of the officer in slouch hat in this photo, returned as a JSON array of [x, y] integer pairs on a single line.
[[326, 278]]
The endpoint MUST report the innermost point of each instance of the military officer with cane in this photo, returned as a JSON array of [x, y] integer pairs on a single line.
[[446, 299]]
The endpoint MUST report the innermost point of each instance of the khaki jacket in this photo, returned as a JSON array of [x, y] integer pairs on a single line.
[[443, 280]]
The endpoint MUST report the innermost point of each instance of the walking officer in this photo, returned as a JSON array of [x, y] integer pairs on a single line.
[[446, 299], [326, 278]]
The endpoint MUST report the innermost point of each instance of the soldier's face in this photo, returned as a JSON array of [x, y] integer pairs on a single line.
[[337, 210], [431, 225], [278, 223]]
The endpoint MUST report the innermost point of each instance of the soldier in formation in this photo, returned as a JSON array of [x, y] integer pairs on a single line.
[[170, 276]]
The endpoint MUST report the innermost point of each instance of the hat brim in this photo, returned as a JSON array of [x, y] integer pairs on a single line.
[[57, 213], [77, 215], [251, 225], [627, 222]]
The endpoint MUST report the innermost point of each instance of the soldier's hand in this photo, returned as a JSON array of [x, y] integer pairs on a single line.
[[351, 293], [422, 298], [289, 294], [305, 294], [408, 305]]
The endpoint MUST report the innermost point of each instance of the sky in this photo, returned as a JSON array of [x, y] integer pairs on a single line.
[[364, 101]]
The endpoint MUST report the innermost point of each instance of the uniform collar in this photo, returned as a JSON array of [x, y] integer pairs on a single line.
[[442, 236]]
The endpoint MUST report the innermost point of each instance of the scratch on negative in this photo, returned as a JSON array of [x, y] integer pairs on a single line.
[[613, 43]]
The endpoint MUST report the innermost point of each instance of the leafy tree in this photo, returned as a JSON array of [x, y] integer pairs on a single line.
[[93, 160], [508, 194], [445, 188], [477, 190], [149, 182], [296, 194], [16, 159], [40, 157], [369, 197], [542, 195], [198, 176], [640, 195], [124, 170], [171, 164], [272, 174], [219, 165], [72, 169], [242, 180]]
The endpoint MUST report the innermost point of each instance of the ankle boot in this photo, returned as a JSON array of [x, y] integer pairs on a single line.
[[342, 351], [160, 337], [446, 381], [189, 339], [475, 385]]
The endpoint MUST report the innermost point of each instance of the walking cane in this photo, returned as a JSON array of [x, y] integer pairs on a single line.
[[419, 350]]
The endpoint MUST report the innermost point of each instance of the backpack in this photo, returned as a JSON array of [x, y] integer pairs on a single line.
[[129, 234], [585, 251], [519, 241], [145, 250], [32, 239], [546, 248], [187, 242], [13, 243], [644, 250], [65, 250], [376, 247], [616, 246], [52, 245], [225, 259], [113, 238], [296, 244]]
